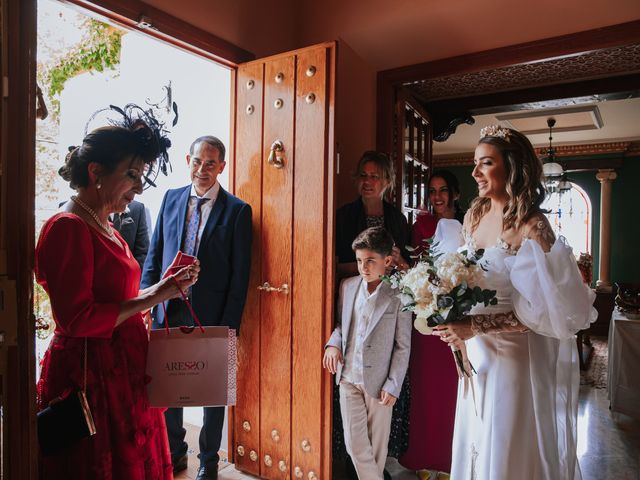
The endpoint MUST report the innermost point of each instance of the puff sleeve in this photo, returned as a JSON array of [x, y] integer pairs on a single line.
[[448, 236], [549, 296]]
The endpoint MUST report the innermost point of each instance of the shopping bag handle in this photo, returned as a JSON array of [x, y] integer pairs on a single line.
[[186, 300]]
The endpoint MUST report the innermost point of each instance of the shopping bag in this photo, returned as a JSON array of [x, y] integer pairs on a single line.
[[192, 367]]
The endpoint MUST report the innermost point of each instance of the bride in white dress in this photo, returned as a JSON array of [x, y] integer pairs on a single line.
[[519, 423]]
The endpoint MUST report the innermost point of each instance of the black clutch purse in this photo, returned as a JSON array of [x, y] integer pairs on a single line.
[[66, 421]]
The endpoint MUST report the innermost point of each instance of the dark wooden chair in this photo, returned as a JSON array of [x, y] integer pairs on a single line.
[[604, 304]]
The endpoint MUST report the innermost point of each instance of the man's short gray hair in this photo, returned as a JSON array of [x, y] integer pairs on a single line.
[[210, 140]]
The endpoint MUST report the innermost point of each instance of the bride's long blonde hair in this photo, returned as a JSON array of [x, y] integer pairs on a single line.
[[524, 186]]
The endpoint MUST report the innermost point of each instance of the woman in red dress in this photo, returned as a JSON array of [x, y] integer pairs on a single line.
[[93, 282], [432, 371]]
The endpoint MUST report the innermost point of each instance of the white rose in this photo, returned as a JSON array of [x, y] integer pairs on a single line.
[[425, 310], [421, 325]]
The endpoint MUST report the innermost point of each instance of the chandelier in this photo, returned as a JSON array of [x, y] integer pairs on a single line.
[[550, 167], [555, 179]]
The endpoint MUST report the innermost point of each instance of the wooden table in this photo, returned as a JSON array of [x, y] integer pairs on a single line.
[[624, 365]]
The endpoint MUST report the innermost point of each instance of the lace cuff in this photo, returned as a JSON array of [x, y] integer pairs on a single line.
[[496, 323]]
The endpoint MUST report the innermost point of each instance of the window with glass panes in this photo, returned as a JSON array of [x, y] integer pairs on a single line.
[[416, 161]]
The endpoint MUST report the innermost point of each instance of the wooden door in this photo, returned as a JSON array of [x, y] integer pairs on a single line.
[[282, 421]]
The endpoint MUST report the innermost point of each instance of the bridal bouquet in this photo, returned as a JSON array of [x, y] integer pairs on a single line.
[[442, 288]]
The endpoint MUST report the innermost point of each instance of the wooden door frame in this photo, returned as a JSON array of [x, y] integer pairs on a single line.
[[17, 242], [17, 204], [388, 81], [136, 15]]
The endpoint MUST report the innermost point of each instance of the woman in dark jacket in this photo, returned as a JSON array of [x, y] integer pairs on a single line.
[[374, 177]]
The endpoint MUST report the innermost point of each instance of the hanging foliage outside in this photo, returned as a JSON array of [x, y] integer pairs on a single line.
[[99, 50]]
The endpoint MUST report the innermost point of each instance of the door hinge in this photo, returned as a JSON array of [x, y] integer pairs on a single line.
[[145, 23]]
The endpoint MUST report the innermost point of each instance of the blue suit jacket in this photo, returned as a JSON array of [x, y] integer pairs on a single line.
[[224, 252], [132, 226]]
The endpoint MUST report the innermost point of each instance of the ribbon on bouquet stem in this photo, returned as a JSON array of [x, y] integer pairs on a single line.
[[462, 360], [465, 370]]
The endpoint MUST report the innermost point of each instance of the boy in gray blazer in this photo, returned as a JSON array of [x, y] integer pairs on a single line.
[[369, 352]]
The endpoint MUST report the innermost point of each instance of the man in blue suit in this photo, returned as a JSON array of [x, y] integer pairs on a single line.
[[202, 219]]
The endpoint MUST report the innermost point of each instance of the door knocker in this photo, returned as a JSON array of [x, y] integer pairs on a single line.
[[276, 155]]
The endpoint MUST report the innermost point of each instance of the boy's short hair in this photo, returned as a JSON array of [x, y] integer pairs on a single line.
[[376, 239]]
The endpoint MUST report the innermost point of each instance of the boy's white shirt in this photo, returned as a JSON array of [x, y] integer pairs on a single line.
[[360, 318], [385, 364]]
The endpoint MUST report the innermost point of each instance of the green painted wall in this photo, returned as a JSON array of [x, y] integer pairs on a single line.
[[625, 243], [625, 221]]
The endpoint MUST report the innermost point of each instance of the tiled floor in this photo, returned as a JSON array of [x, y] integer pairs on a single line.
[[608, 445]]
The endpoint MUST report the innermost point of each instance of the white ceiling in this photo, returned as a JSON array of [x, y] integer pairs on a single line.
[[620, 122]]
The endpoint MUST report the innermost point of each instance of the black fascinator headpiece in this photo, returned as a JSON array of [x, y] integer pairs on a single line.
[[149, 132]]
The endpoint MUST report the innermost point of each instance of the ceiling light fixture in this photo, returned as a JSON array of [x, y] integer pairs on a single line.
[[551, 168]]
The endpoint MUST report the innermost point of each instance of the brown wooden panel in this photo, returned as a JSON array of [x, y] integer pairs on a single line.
[[411, 120], [248, 186], [309, 257], [17, 365], [277, 184], [396, 147]]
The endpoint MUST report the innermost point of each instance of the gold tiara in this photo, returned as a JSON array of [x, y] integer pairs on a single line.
[[495, 131]]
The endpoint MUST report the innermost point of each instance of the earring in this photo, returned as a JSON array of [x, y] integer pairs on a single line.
[[98, 185]]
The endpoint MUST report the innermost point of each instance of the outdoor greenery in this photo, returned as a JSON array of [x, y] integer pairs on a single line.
[[99, 50]]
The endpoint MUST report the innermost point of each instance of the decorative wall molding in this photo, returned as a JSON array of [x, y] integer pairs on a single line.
[[634, 150], [588, 149], [588, 65], [627, 149], [443, 128]]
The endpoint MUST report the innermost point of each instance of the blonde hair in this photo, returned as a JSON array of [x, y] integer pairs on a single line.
[[385, 165], [524, 187]]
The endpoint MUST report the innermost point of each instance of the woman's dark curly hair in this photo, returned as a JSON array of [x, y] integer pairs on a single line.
[[137, 135], [454, 189]]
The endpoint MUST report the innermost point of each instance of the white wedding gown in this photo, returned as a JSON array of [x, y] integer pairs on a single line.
[[522, 423]]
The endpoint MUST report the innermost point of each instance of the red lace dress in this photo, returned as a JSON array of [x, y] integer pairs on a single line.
[[86, 276], [434, 387]]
